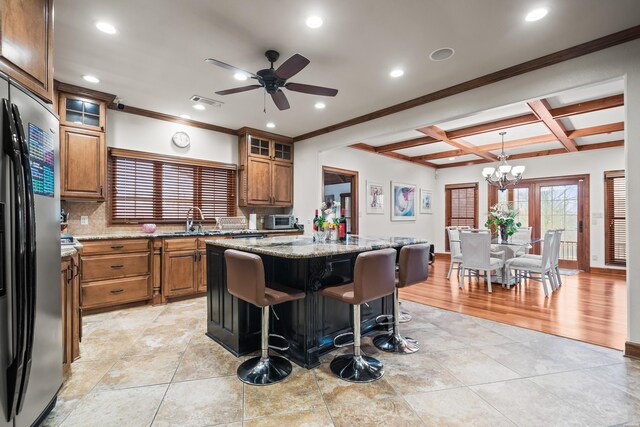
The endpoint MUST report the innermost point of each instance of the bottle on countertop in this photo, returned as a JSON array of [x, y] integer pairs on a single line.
[[342, 226], [315, 221]]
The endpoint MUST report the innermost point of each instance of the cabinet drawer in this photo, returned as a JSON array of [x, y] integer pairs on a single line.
[[109, 247], [180, 244], [112, 292], [114, 266]]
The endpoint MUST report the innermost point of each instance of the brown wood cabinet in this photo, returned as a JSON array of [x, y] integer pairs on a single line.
[[71, 311], [115, 272], [83, 161], [266, 169], [183, 267], [82, 112], [26, 44]]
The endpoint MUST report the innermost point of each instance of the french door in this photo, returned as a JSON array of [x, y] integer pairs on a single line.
[[554, 203]]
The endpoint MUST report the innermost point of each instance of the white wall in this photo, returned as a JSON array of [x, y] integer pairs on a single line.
[[594, 163], [141, 133], [618, 61], [382, 170]]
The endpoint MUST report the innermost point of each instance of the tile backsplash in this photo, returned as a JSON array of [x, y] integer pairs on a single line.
[[98, 216]]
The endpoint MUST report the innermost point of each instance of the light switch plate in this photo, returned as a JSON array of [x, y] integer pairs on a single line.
[[84, 220]]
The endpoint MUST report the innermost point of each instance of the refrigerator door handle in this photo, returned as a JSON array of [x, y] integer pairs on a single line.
[[30, 255], [14, 371]]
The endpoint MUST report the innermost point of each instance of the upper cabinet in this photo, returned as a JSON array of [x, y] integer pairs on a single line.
[[78, 111], [266, 169], [26, 44]]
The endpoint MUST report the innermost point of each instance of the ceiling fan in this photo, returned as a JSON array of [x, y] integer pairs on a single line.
[[273, 80]]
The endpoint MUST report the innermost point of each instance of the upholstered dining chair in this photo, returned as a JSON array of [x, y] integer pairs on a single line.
[[477, 255], [522, 234], [543, 266], [454, 250]]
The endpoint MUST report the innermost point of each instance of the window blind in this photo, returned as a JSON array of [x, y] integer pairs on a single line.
[[461, 206], [615, 193], [145, 187]]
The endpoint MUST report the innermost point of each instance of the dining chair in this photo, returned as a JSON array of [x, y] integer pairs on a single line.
[[555, 258], [543, 266], [454, 250], [476, 255], [522, 234]]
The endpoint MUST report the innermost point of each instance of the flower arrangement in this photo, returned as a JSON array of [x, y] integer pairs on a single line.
[[502, 216], [328, 219]]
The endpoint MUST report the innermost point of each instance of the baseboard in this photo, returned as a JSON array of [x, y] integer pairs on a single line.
[[632, 349], [443, 255], [609, 271]]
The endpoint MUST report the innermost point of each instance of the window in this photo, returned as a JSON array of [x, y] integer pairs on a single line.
[[461, 206], [145, 187], [615, 218]]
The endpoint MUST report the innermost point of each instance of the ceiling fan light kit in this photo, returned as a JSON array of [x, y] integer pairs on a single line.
[[273, 80]]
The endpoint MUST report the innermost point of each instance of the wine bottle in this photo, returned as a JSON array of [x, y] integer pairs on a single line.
[[342, 226], [315, 221]]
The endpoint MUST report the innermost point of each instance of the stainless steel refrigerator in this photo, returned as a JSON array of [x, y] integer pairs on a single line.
[[30, 297]]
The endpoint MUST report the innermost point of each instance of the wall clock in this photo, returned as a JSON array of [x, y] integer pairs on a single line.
[[181, 139]]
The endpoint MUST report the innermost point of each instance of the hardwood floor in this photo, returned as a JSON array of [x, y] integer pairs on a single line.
[[587, 307]]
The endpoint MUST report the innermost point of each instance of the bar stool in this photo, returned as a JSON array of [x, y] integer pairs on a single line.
[[373, 278], [245, 280], [414, 268]]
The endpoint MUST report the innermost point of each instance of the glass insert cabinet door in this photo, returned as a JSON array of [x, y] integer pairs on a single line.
[[82, 112]]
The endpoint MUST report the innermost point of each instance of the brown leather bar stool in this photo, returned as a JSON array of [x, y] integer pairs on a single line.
[[414, 268], [245, 280], [373, 278]]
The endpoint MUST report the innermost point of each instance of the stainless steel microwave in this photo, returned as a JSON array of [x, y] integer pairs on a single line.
[[278, 222]]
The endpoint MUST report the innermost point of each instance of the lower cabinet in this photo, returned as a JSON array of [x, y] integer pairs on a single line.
[[183, 267], [71, 311]]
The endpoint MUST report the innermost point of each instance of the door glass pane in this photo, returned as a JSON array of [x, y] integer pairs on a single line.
[[521, 204], [91, 108], [74, 117], [558, 210]]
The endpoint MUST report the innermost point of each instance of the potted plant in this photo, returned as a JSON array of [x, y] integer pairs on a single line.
[[502, 217]]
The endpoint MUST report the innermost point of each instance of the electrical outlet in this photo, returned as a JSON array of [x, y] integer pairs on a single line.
[[84, 220]]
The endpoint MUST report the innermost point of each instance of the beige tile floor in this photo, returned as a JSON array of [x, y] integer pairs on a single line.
[[154, 366]]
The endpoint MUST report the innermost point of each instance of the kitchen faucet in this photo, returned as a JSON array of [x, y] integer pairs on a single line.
[[189, 224]]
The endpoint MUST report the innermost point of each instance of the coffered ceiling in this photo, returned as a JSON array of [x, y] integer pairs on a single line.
[[584, 118], [155, 60]]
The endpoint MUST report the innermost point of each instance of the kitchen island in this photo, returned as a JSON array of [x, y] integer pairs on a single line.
[[310, 324]]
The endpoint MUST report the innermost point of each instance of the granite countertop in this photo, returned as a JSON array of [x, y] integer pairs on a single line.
[[70, 250], [304, 247], [164, 234]]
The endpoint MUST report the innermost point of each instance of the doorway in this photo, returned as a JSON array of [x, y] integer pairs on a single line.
[[341, 185], [554, 203]]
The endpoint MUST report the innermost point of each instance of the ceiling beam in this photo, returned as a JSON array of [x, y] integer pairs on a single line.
[[596, 130], [415, 142], [392, 155], [542, 109], [436, 132], [588, 147], [588, 106]]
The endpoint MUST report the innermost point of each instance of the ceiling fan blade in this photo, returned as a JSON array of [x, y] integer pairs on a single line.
[[237, 90], [280, 99], [311, 89], [292, 66], [228, 67]]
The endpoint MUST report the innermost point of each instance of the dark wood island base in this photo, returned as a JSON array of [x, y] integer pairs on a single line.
[[309, 325]]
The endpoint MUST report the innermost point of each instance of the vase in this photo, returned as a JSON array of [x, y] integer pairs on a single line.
[[333, 235], [503, 233], [319, 236]]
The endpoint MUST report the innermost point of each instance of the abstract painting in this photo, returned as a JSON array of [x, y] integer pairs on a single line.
[[403, 202]]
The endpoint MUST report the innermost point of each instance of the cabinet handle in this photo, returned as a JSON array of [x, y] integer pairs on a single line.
[[117, 246], [117, 266], [117, 291], [101, 190]]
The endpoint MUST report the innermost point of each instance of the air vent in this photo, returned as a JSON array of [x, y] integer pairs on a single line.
[[208, 101]]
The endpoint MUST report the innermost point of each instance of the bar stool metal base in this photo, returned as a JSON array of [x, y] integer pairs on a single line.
[[395, 343], [357, 369], [261, 370]]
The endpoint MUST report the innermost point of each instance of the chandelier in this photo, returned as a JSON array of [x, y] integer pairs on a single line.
[[504, 174]]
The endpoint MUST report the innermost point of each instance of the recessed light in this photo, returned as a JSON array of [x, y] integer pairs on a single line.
[[240, 76], [105, 27], [320, 105], [185, 116], [536, 14], [91, 79], [314, 22], [271, 125], [441, 54], [396, 73], [452, 158], [199, 107]]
